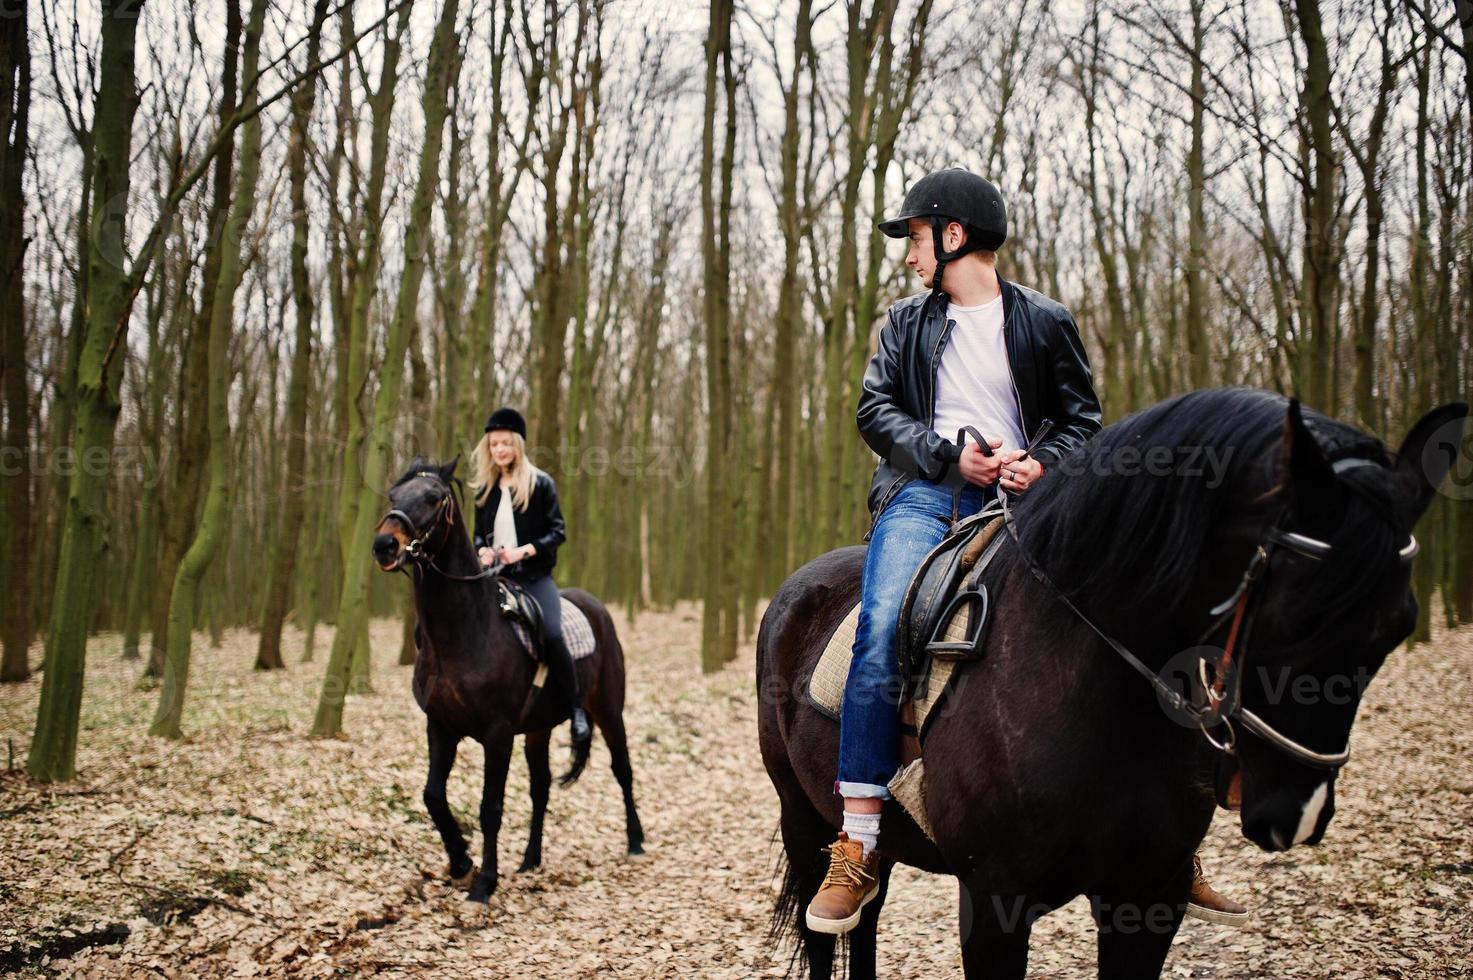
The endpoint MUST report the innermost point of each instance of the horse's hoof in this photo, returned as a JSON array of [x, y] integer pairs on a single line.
[[460, 872], [637, 851], [482, 890], [526, 866]]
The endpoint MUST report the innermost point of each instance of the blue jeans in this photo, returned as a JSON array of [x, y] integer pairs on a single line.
[[915, 521]]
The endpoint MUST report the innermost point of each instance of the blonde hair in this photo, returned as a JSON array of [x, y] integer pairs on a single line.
[[487, 474]]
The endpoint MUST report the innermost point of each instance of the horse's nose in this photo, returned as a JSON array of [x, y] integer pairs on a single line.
[[385, 547]]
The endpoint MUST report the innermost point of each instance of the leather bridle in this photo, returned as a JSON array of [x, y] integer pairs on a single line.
[[1221, 703], [417, 552]]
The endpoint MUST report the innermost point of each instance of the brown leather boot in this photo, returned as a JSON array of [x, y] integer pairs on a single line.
[[1209, 906], [847, 888]]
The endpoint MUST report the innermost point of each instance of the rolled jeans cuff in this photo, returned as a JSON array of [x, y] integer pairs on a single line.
[[861, 790]]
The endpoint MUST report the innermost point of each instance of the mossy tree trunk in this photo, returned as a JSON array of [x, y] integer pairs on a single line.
[[192, 445], [284, 550], [207, 540], [98, 384], [718, 626], [1320, 276], [354, 390], [15, 468], [440, 75]]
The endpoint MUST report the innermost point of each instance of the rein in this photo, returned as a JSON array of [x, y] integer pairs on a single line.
[[1223, 703]]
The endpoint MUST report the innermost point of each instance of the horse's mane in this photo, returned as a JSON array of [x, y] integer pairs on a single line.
[[1121, 538], [417, 465]]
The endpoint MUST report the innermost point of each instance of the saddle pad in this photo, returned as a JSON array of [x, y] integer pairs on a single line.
[[826, 687], [577, 632]]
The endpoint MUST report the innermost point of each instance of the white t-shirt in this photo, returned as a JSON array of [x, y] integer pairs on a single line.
[[974, 385], [504, 528]]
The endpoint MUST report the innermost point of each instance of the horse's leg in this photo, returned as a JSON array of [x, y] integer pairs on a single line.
[[995, 930], [862, 938], [1136, 929], [610, 721], [498, 760], [442, 759], [540, 773], [805, 834]]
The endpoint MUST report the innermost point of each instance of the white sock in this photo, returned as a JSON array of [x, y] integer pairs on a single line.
[[863, 827]]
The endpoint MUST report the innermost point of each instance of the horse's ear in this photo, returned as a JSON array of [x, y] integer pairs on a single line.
[[1428, 453], [447, 470], [1313, 492]]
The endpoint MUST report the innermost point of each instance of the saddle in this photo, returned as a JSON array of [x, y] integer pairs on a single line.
[[518, 606], [522, 610], [948, 582]]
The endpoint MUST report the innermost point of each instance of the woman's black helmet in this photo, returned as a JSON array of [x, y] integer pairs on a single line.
[[507, 418]]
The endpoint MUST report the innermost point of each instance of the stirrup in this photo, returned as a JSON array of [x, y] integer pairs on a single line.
[[970, 647]]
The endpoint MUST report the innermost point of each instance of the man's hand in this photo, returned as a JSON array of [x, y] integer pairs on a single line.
[[1018, 473], [979, 469], [487, 556]]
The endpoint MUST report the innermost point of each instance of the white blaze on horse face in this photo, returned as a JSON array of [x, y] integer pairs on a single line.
[[1310, 818]]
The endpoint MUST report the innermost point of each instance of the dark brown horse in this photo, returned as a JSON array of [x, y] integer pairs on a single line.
[[1056, 772], [473, 680]]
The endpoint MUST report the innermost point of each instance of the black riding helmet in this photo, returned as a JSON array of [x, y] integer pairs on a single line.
[[950, 195]]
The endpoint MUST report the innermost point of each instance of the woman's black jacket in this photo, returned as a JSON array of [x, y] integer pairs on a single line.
[[540, 525]]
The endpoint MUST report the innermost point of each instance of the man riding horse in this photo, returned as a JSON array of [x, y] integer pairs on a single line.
[[980, 352]]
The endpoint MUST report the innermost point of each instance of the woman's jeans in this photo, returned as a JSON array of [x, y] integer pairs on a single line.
[[915, 521], [559, 660]]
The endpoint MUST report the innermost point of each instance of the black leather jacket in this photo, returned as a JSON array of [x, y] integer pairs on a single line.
[[540, 525], [897, 405]]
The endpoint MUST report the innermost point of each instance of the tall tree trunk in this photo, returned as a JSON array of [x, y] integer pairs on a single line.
[[862, 35], [284, 551], [1116, 400], [893, 95], [553, 295], [145, 550], [98, 384], [1320, 279], [440, 75], [212, 525], [716, 626], [365, 281], [193, 444], [15, 468], [784, 389], [57, 488], [1369, 161], [1198, 365], [477, 380]]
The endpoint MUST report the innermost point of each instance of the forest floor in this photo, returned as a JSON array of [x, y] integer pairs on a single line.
[[249, 849]]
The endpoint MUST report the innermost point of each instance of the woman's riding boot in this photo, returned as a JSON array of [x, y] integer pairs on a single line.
[[565, 675]]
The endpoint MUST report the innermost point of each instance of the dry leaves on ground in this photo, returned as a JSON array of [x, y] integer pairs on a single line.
[[250, 850]]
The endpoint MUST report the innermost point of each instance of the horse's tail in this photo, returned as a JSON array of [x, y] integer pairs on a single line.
[[581, 751], [787, 909]]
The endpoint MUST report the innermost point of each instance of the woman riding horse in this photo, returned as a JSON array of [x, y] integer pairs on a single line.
[[519, 524]]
